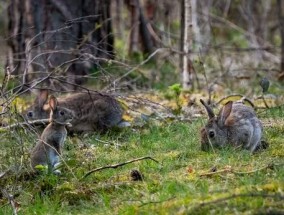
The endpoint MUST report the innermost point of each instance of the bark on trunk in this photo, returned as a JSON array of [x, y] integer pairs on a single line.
[[53, 35], [186, 35], [140, 37], [133, 6]]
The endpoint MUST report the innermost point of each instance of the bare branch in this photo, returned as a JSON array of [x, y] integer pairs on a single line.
[[63, 9], [28, 123], [140, 64], [114, 166]]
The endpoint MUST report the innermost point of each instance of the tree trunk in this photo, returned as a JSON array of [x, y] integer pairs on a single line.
[[133, 6], [195, 25], [280, 6], [186, 43], [118, 20], [140, 36], [54, 36]]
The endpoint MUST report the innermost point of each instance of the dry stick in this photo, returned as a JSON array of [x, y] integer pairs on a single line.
[[216, 201], [230, 170], [2, 174], [264, 101], [28, 123], [11, 200], [90, 56], [114, 166]]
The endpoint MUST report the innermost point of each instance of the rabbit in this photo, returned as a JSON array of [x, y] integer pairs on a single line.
[[48, 150], [93, 111], [236, 124]]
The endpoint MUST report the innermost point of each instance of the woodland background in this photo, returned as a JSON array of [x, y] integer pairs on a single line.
[[158, 58]]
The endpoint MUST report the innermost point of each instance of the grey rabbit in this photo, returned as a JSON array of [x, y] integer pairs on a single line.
[[93, 111], [236, 124], [48, 149]]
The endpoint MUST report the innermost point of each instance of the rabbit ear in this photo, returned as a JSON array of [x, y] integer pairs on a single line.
[[225, 112], [52, 103], [42, 97], [208, 109]]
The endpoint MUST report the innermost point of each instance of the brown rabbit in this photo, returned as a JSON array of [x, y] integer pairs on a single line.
[[93, 111], [47, 150], [236, 124]]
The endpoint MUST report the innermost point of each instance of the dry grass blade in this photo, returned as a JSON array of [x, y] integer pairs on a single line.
[[233, 196], [230, 170]]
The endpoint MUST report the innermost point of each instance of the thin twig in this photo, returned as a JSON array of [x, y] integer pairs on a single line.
[[61, 158], [264, 101], [233, 196], [140, 64], [11, 200], [242, 98], [114, 166], [230, 170], [28, 123]]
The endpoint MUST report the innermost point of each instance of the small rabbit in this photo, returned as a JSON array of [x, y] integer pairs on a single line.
[[93, 111], [48, 150], [236, 124]]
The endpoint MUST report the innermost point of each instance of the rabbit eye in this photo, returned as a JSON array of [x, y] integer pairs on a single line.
[[30, 114], [211, 134], [61, 113]]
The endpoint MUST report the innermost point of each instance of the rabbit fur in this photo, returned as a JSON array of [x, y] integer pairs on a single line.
[[236, 124], [93, 111], [48, 150]]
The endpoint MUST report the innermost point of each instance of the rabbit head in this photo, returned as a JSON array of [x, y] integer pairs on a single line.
[[40, 108], [59, 115], [215, 132]]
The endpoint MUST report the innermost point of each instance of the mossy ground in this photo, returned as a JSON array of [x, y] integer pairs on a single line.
[[172, 186]]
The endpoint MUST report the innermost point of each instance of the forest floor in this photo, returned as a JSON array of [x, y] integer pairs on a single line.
[[173, 176]]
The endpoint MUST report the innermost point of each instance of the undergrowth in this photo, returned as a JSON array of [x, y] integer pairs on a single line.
[[238, 182]]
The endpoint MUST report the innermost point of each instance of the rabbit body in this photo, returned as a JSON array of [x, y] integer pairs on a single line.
[[93, 111], [48, 150], [236, 124]]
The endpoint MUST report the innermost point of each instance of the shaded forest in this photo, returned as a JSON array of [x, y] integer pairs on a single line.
[[239, 41]]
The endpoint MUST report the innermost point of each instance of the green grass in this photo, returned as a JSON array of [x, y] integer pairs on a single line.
[[172, 186]]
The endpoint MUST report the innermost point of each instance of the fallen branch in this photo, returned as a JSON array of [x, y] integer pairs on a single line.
[[114, 166], [27, 123], [230, 170]]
